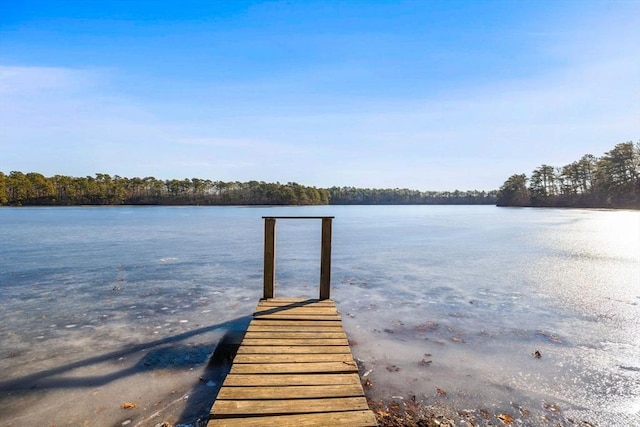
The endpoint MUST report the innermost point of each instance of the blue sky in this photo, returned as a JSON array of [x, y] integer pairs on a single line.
[[430, 95]]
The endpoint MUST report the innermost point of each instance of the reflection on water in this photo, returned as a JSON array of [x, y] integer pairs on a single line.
[[529, 312]]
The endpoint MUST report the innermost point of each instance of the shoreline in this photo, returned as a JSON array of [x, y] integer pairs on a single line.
[[397, 411]]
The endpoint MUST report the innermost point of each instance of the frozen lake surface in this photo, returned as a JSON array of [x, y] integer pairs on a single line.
[[102, 306]]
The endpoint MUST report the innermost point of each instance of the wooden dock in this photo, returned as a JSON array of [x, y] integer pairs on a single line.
[[294, 366]]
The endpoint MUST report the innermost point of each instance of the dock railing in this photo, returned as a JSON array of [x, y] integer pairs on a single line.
[[270, 254]]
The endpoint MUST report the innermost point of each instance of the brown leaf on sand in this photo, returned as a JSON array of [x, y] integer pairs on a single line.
[[128, 405], [441, 392], [505, 418]]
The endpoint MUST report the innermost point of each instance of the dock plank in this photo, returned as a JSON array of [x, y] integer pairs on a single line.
[[288, 368], [244, 407], [302, 311], [294, 349], [292, 341], [277, 302], [289, 392], [290, 380], [288, 334], [345, 418], [292, 358], [301, 316], [293, 328], [295, 323]]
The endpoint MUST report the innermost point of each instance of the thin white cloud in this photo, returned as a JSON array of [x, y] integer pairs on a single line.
[[35, 80]]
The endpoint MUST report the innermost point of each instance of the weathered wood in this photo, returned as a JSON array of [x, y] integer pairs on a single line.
[[270, 254], [222, 408], [294, 349], [300, 306], [325, 259], [289, 392], [345, 418], [307, 311], [290, 341], [269, 257], [297, 217], [286, 380], [306, 305], [296, 369], [310, 323], [258, 327], [284, 316], [296, 335], [279, 302], [292, 358], [290, 368]]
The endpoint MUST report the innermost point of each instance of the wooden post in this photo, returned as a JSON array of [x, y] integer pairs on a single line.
[[269, 256], [325, 260]]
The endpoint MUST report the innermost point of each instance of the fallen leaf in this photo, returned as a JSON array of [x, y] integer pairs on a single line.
[[505, 418], [128, 405], [441, 392]]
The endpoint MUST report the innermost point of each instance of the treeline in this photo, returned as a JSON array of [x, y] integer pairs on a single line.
[[611, 181], [403, 196], [34, 189]]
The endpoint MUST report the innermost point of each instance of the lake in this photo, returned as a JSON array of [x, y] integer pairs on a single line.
[[451, 304]]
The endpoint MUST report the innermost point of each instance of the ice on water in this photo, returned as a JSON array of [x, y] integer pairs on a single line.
[[101, 306]]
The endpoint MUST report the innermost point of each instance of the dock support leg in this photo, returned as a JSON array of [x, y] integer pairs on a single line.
[[325, 259], [269, 256]]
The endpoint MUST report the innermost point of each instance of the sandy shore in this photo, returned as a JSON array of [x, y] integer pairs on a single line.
[[414, 413]]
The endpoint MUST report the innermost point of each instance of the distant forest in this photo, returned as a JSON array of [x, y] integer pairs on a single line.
[[34, 189], [611, 181]]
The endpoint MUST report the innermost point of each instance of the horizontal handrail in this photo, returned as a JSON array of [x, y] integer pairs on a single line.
[[298, 217]]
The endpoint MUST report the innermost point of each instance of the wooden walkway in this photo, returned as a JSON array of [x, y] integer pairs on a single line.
[[294, 368]]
